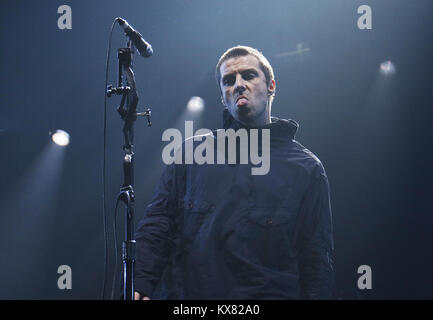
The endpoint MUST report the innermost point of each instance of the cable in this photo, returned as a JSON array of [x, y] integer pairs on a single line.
[[104, 210], [113, 285]]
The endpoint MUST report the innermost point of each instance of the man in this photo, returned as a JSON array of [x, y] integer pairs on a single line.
[[219, 232]]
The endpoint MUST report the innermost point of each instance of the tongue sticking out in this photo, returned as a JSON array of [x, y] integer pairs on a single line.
[[242, 102]]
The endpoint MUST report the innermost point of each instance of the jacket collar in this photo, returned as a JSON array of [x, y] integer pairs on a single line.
[[281, 128]]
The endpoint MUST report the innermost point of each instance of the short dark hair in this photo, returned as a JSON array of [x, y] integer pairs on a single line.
[[239, 51]]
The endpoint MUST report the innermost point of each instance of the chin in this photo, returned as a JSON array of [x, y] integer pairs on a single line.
[[243, 111]]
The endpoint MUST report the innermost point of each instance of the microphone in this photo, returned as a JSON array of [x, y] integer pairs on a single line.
[[142, 46]]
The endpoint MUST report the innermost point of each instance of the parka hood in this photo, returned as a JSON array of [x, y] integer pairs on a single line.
[[281, 128]]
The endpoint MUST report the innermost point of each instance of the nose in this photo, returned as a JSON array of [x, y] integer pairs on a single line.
[[240, 84]]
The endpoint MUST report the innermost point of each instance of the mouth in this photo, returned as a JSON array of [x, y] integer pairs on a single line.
[[241, 100]]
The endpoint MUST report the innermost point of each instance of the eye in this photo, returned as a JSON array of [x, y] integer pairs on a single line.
[[249, 75], [229, 80]]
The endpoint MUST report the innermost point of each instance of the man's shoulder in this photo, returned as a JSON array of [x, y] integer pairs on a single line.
[[306, 158]]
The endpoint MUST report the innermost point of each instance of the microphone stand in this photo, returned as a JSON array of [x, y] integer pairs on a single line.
[[129, 115]]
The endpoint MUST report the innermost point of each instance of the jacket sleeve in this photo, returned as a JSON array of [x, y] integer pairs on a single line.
[[317, 247], [155, 233]]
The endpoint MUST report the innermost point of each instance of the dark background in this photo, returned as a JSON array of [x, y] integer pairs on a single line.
[[372, 132]]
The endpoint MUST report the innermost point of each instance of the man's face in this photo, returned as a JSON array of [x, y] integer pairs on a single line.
[[244, 90]]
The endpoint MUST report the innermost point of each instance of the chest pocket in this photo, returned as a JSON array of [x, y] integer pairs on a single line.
[[264, 236], [195, 218], [268, 217], [197, 206]]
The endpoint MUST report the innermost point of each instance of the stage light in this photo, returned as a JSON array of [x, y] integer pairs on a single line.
[[60, 138], [195, 104], [387, 68]]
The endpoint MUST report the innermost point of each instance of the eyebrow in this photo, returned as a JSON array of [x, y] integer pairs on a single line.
[[241, 72]]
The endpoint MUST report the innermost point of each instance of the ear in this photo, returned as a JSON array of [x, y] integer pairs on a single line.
[[271, 88]]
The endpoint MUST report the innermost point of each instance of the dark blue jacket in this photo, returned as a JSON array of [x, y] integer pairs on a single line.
[[218, 232]]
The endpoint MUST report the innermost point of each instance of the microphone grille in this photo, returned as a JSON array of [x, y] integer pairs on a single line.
[[120, 21]]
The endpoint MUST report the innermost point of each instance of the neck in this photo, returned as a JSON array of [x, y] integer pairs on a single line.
[[261, 120]]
